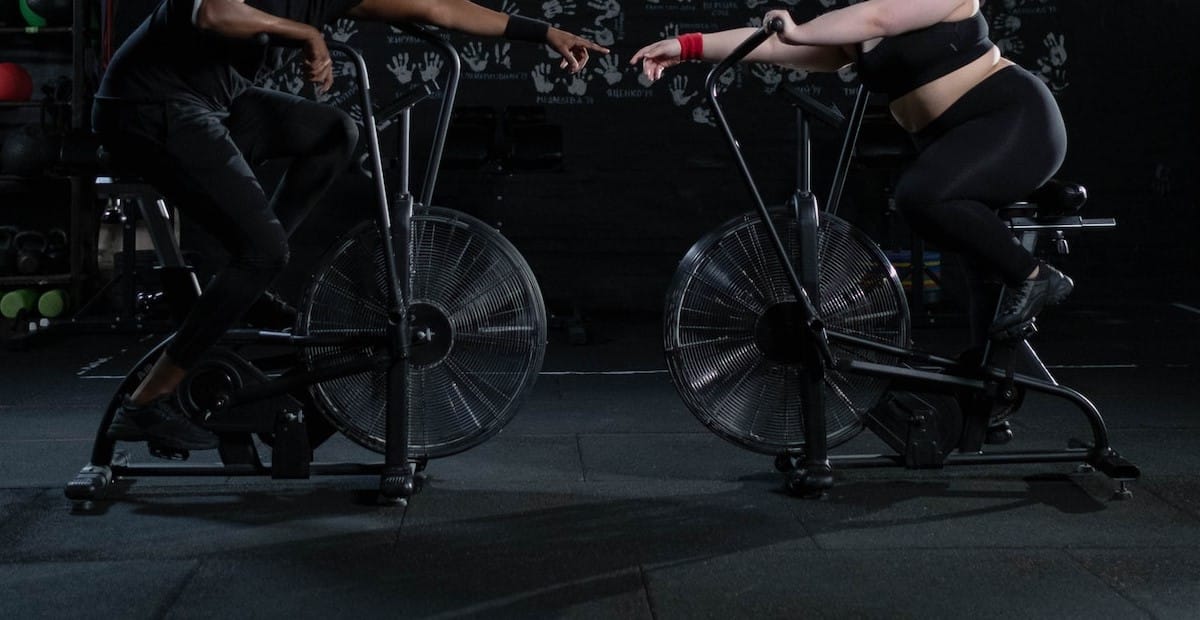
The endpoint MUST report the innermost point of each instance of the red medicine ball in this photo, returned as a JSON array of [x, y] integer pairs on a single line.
[[15, 83]]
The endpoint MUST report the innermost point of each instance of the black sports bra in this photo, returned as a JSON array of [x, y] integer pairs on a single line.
[[900, 64]]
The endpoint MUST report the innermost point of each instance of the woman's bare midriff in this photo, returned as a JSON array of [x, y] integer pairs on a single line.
[[918, 108]]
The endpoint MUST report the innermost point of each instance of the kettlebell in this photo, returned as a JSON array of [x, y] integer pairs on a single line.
[[31, 251], [56, 251], [8, 252]]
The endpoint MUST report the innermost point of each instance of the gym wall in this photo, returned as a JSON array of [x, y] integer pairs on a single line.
[[644, 173]]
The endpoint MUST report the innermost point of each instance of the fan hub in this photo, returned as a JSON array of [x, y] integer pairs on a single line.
[[782, 336], [433, 335]]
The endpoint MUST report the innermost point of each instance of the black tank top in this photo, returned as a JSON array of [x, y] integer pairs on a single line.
[[169, 58], [900, 64]]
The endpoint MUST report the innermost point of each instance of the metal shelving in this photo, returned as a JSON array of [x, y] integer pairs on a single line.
[[80, 215]]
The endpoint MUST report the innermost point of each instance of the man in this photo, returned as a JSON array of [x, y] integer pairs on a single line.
[[176, 104]]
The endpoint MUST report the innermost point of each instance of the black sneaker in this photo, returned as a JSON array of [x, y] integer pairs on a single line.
[[161, 421], [1021, 304]]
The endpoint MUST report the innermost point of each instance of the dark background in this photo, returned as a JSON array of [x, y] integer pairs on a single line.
[[642, 177], [642, 180]]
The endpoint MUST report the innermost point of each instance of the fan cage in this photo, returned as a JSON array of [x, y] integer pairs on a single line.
[[722, 288], [463, 269]]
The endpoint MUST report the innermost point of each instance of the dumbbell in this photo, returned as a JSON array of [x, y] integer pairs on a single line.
[[53, 303], [18, 303], [31, 251]]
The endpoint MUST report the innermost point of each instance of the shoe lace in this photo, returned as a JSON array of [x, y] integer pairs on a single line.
[[1017, 297]]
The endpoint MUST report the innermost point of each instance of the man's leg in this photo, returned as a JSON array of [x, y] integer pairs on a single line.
[[201, 171], [319, 139]]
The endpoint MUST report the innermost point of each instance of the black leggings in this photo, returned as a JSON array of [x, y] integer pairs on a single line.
[[201, 160], [992, 147]]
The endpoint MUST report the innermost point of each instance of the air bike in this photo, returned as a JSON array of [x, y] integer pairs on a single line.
[[787, 332], [420, 333]]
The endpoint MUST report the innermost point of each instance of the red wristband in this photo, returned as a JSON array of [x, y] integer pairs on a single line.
[[691, 46]]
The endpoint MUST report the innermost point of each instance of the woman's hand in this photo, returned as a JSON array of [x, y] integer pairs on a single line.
[[574, 48], [658, 57], [791, 31], [317, 62]]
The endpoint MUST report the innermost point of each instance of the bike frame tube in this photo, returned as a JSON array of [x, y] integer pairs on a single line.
[[384, 214], [449, 94], [711, 90], [849, 140]]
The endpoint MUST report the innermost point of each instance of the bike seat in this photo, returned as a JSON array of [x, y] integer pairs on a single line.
[[1056, 198]]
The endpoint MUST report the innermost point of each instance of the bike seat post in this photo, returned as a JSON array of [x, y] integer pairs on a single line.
[[806, 210], [804, 149]]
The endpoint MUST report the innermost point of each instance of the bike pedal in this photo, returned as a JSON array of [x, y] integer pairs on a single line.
[[1017, 333], [999, 434], [168, 453]]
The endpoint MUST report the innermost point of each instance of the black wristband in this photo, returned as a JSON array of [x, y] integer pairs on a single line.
[[525, 29]]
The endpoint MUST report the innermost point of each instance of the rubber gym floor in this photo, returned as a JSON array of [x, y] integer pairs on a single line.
[[606, 498]]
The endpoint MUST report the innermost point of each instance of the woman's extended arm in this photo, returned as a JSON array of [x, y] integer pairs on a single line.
[[468, 17], [660, 56], [816, 45]]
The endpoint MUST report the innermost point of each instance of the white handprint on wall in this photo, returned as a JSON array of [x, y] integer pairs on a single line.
[[769, 74], [542, 82], [343, 68], [797, 75], [603, 36], [401, 68], [678, 90], [501, 56], [432, 67], [577, 85], [1011, 46], [609, 68], [608, 9], [293, 82], [554, 8], [342, 30], [1052, 67], [475, 58]]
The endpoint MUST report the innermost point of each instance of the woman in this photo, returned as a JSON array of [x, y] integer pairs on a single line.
[[987, 131], [176, 106]]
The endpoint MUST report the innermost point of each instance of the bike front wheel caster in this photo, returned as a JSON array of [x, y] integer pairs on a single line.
[[809, 482], [399, 484]]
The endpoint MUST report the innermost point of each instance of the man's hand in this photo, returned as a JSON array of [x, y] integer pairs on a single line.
[[574, 48], [317, 64]]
